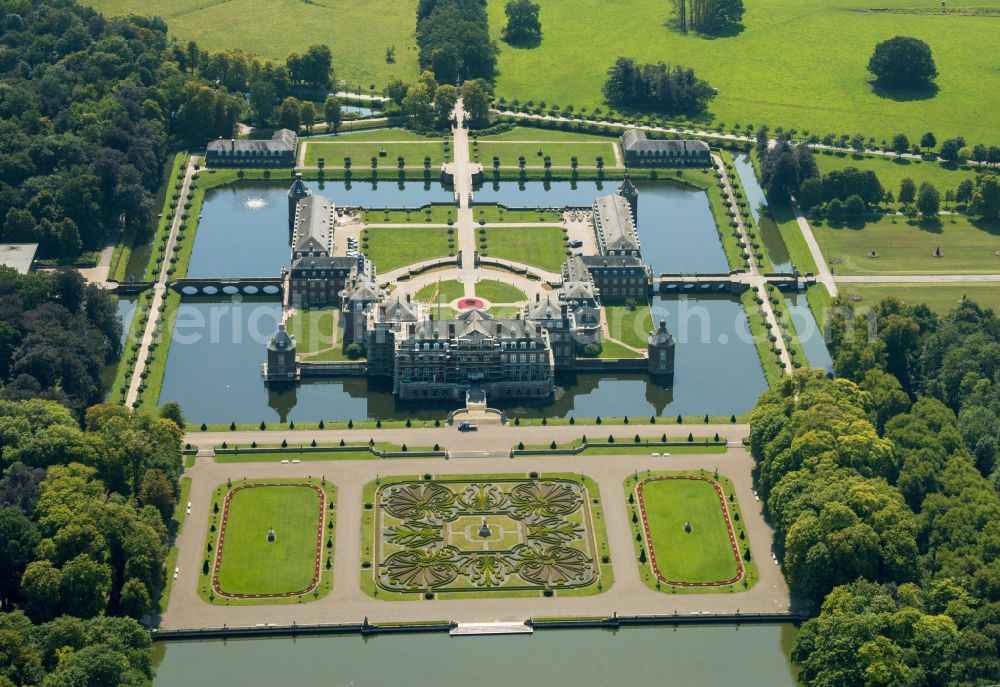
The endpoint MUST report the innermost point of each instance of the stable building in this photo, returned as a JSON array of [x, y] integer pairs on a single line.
[[641, 151], [241, 152]]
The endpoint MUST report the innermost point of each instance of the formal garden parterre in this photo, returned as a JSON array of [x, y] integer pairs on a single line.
[[269, 541], [483, 536], [689, 533]]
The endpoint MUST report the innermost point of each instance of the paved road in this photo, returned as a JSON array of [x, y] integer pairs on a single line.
[[347, 603], [823, 276], [488, 438], [160, 288]]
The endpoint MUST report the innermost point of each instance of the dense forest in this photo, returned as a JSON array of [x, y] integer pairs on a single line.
[[882, 486], [87, 105], [454, 40]]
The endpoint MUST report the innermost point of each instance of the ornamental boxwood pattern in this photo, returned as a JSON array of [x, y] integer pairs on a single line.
[[427, 536]]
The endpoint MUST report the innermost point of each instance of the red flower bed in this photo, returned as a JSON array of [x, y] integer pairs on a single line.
[[222, 540], [729, 527]]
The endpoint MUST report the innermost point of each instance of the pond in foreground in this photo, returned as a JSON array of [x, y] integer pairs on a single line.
[[691, 656], [213, 370]]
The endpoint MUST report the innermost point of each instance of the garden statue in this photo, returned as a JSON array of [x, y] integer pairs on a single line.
[[270, 534], [687, 527], [484, 531]]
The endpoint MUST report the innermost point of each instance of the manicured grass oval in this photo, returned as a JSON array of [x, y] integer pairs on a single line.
[[251, 564], [702, 555]]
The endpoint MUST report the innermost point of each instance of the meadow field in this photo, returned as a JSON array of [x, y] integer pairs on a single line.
[[797, 65], [357, 31], [941, 298]]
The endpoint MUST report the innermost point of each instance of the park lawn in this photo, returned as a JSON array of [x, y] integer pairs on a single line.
[[498, 213], [769, 361], [613, 349], [631, 327], [499, 292], [391, 248], [560, 146], [252, 565], [941, 298], [449, 291], [800, 64], [274, 28], [967, 246], [702, 555], [892, 171], [361, 147], [542, 247], [433, 213]]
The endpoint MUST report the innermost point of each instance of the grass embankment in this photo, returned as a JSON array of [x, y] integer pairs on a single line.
[[126, 363], [445, 213], [743, 208], [892, 245], [251, 564], [515, 420], [822, 64], [391, 249], [787, 326], [156, 361], [760, 332], [629, 447], [704, 554], [941, 298], [385, 145], [311, 453], [541, 247]]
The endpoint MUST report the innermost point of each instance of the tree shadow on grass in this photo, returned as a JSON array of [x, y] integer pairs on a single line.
[[932, 225], [903, 95], [990, 226], [526, 43]]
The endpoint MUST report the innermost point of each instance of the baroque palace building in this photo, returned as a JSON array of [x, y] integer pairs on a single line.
[[444, 358]]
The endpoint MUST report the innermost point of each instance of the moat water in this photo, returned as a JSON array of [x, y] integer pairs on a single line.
[[243, 231], [773, 243], [810, 334], [694, 656], [221, 345]]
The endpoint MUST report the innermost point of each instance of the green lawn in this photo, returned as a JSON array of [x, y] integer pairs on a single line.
[[542, 247], [499, 292], [393, 248], [498, 213], [702, 555], [275, 28], [449, 291], [613, 349], [968, 247], [892, 171], [560, 146], [941, 298], [313, 332], [435, 213], [252, 565], [631, 327], [364, 145], [504, 312], [781, 215], [799, 64]]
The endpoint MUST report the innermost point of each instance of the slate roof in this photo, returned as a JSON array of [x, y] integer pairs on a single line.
[[635, 140], [282, 340], [315, 217], [614, 224], [283, 141]]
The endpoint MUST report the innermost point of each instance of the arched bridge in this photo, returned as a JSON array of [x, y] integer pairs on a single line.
[[214, 286]]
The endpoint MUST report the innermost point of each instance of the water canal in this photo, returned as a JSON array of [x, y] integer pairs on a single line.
[[811, 336], [773, 243], [221, 344], [691, 656]]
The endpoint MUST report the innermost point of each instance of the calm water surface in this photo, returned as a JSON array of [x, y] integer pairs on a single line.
[[810, 334], [773, 243], [213, 370], [704, 656]]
